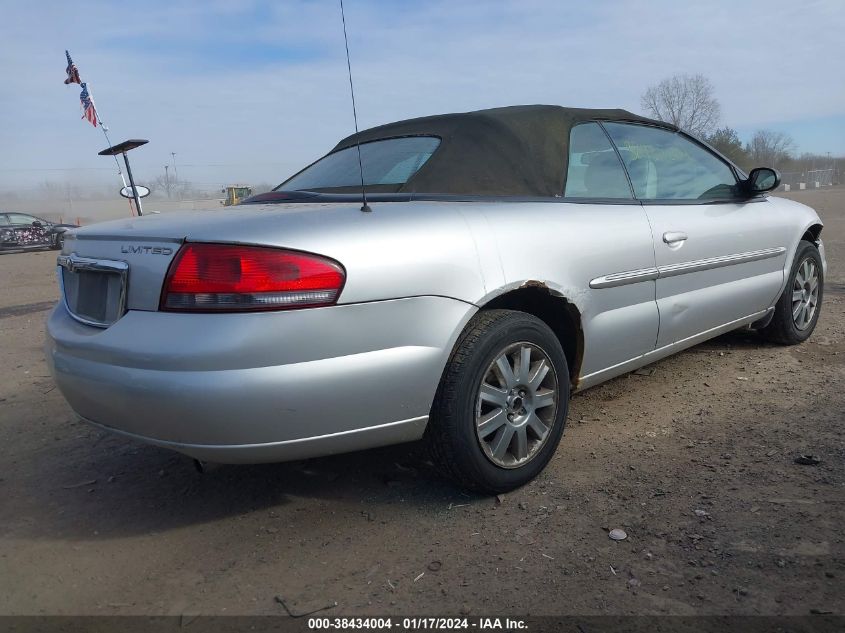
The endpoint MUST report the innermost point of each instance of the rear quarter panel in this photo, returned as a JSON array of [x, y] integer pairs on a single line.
[[398, 250]]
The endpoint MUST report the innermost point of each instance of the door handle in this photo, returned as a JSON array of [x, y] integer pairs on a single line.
[[674, 237]]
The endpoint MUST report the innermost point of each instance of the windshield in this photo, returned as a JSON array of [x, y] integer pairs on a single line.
[[389, 163]]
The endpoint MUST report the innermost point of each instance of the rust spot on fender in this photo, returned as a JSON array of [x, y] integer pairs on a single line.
[[532, 283], [540, 285]]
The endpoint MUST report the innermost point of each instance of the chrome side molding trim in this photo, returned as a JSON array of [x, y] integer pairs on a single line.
[[718, 262], [624, 278], [649, 274]]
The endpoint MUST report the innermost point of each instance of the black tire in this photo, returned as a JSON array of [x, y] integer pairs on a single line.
[[783, 328], [452, 437], [58, 242]]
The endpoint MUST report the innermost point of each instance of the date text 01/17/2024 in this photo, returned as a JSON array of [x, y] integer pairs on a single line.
[[417, 624]]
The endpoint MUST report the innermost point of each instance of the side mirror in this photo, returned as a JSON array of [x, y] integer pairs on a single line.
[[761, 180], [37, 224]]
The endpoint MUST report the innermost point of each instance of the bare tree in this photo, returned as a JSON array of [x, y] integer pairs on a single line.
[[166, 186], [768, 148], [686, 101]]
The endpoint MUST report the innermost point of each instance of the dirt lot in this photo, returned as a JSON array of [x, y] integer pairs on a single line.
[[694, 461]]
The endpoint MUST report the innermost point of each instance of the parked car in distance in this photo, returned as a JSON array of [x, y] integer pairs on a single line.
[[507, 258], [21, 231]]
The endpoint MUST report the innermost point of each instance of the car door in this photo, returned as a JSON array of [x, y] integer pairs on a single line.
[[593, 247], [616, 261], [27, 233], [719, 258]]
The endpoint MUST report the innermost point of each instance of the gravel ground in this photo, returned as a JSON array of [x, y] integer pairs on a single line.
[[695, 462]]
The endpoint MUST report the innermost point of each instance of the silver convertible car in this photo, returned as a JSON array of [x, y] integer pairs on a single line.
[[505, 259]]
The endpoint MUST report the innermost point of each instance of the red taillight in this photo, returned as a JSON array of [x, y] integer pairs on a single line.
[[227, 277]]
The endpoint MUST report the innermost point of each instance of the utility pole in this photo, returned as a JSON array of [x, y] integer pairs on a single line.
[[176, 175], [167, 180], [69, 199]]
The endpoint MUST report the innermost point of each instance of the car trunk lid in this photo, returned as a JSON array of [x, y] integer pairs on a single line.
[[102, 278], [120, 265]]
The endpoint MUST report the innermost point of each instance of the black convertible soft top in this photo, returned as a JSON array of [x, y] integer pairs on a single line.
[[511, 151]]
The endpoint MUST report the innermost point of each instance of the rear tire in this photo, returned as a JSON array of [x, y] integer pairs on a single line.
[[501, 406], [798, 308]]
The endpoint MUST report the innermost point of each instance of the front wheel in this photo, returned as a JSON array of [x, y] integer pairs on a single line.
[[797, 310], [502, 402]]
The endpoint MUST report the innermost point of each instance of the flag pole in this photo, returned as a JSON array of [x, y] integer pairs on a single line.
[[137, 209], [74, 77], [117, 162], [105, 130]]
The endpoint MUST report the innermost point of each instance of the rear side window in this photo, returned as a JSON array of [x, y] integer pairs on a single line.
[[665, 165], [4, 220], [388, 162], [594, 168]]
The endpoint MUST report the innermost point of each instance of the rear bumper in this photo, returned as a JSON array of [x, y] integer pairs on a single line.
[[287, 450], [263, 386]]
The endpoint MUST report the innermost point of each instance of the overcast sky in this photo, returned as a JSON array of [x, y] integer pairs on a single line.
[[251, 91]]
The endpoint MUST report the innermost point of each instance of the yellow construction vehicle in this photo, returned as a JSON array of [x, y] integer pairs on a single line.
[[235, 194]]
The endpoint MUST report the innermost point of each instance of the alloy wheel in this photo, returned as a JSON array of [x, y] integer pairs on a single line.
[[516, 405], [805, 294]]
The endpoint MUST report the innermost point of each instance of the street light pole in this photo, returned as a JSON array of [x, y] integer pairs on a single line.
[[167, 180], [828, 167]]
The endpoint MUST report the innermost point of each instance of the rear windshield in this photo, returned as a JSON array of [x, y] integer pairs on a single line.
[[388, 163]]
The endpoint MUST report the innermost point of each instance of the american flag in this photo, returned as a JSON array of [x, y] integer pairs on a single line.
[[72, 71], [88, 110]]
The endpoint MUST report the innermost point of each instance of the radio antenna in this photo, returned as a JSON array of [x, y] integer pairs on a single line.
[[365, 207]]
